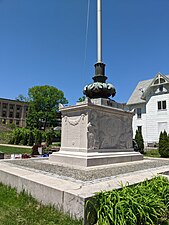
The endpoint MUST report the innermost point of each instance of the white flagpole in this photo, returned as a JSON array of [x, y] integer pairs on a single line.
[[99, 31]]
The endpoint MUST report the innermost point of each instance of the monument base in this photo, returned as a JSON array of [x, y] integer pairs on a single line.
[[94, 133], [94, 159]]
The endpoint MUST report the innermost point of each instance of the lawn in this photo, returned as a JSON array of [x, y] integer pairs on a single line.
[[21, 209], [152, 153], [15, 150]]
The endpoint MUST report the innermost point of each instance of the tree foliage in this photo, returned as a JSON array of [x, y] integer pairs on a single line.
[[81, 99], [22, 98], [43, 106], [140, 141]]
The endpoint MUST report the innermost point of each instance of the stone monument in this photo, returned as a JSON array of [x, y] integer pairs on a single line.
[[97, 131]]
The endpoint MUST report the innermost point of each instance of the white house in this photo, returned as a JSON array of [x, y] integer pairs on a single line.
[[150, 101]]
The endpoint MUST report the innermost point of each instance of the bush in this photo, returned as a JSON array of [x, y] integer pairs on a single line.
[[25, 136], [164, 144], [31, 138], [17, 136], [49, 137], [140, 141], [38, 137]]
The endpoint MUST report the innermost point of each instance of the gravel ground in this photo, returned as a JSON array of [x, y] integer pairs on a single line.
[[88, 174]]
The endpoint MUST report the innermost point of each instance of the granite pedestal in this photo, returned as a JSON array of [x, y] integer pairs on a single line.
[[96, 132]]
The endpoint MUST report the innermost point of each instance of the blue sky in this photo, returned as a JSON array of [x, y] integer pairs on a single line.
[[43, 42]]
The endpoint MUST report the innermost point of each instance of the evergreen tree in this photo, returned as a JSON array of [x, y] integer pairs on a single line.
[[140, 141], [164, 144]]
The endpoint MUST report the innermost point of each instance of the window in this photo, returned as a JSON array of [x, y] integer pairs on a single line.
[[11, 107], [161, 87], [156, 81], [4, 121], [162, 80], [161, 105], [159, 80], [10, 114], [18, 107], [10, 121], [4, 114], [4, 105], [138, 113], [17, 115]]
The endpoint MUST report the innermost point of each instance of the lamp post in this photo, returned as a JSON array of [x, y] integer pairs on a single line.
[[99, 89]]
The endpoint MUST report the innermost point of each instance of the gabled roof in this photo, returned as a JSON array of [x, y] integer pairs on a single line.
[[141, 88]]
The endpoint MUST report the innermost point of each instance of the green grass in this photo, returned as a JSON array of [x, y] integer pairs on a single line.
[[21, 209], [56, 144], [152, 153], [15, 150]]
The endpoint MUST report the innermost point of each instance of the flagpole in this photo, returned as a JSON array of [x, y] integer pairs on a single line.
[[99, 31], [99, 89]]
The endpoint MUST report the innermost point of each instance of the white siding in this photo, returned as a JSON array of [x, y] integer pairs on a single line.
[[139, 121], [153, 121], [155, 117]]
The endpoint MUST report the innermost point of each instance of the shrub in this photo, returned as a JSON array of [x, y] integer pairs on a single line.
[[24, 136], [17, 136], [140, 141], [31, 138], [49, 137], [164, 144]]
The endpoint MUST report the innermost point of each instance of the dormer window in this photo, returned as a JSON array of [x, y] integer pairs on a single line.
[[159, 80]]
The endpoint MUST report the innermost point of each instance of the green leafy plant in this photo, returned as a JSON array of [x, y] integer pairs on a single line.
[[145, 203]]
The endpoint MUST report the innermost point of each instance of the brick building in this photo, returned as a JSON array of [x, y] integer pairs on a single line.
[[12, 111]]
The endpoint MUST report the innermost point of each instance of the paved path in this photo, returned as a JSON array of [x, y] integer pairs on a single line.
[[16, 146]]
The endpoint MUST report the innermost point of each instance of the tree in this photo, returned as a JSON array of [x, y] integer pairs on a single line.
[[164, 144], [22, 98], [43, 106], [140, 141], [81, 99]]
